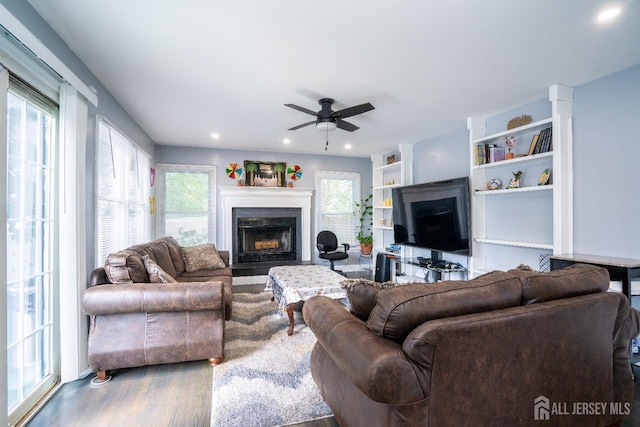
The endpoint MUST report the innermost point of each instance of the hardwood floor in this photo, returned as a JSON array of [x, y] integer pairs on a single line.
[[177, 394]]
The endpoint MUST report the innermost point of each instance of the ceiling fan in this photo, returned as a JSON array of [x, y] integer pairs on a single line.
[[328, 120]]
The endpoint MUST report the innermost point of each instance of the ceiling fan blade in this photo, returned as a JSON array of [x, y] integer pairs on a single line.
[[304, 110], [341, 124], [352, 111], [302, 125]]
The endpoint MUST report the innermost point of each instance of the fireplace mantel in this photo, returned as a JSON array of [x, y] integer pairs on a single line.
[[266, 197]]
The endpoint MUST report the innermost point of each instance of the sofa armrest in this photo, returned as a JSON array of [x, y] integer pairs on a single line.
[[98, 277], [225, 257], [376, 365], [153, 297]]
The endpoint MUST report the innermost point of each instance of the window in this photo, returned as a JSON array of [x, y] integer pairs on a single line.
[[122, 192], [187, 203], [337, 193]]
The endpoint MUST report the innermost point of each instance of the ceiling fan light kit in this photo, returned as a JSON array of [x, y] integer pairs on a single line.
[[327, 126]]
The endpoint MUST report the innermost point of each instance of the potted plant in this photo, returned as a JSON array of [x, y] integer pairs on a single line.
[[364, 210]]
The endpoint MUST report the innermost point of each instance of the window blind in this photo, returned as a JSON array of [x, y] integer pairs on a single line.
[[122, 192], [336, 196]]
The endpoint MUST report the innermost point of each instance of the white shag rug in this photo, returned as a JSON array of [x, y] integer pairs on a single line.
[[264, 379]]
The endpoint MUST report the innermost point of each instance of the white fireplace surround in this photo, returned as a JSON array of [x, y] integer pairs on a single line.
[[263, 197]]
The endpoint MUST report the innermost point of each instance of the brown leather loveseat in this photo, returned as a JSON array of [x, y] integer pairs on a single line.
[[150, 304], [506, 348]]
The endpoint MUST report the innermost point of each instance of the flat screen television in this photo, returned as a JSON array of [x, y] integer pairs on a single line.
[[433, 215]]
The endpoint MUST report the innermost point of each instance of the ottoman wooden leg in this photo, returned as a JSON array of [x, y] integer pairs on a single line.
[[290, 314]]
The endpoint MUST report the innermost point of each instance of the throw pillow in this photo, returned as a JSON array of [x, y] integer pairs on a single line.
[[156, 273], [125, 267], [362, 295], [201, 257]]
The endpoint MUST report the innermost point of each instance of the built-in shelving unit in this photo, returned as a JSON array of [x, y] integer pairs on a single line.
[[388, 175], [512, 226]]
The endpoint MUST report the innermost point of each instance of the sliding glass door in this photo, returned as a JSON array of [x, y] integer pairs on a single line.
[[32, 353]]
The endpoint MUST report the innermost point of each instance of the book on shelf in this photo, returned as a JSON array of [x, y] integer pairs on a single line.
[[534, 142], [496, 154], [544, 142], [489, 153]]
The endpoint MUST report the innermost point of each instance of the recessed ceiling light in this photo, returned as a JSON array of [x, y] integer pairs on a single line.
[[215, 136], [286, 141], [609, 14], [347, 146]]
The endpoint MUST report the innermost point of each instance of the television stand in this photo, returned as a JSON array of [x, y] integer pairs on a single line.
[[438, 267]]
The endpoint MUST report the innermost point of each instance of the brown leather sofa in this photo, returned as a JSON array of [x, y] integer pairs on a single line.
[[134, 322], [506, 348]]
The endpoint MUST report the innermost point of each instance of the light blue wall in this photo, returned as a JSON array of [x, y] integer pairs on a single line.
[[606, 173]]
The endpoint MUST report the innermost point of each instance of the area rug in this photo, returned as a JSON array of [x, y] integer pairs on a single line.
[[264, 379]]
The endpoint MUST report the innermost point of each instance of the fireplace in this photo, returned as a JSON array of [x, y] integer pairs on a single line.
[[261, 202], [266, 235]]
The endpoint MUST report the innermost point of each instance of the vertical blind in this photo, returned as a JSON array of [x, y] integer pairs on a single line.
[[337, 193], [122, 192]]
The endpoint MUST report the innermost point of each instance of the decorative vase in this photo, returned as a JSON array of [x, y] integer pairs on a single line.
[[509, 155]]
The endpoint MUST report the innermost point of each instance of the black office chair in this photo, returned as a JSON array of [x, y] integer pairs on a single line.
[[327, 244]]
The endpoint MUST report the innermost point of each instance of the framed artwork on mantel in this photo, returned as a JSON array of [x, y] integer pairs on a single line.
[[264, 174]]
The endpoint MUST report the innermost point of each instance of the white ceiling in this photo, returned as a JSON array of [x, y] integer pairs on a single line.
[[184, 70]]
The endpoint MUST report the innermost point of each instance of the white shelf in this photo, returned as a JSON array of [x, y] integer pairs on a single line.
[[383, 207], [382, 227], [513, 190], [514, 243], [383, 187], [531, 127], [390, 166], [517, 160]]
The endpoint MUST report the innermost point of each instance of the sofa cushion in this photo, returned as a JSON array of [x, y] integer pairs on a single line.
[[362, 295], [175, 252], [125, 266], [205, 275], [159, 252], [156, 273], [201, 257], [577, 279], [401, 309]]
